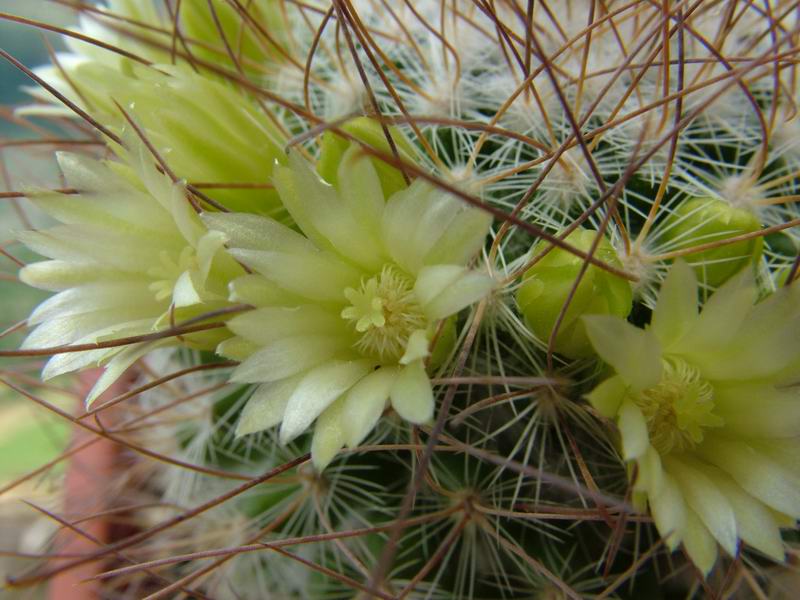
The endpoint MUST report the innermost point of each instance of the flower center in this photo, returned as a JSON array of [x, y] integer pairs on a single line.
[[678, 408], [166, 274], [385, 312]]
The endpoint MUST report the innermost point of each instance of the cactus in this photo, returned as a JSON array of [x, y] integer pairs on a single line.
[[405, 297]]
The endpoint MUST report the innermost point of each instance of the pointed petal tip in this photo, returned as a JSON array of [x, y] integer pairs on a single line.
[[412, 395], [634, 353]]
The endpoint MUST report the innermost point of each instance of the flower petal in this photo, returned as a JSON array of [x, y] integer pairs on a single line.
[[132, 296], [329, 435], [699, 543], [754, 521], [105, 199], [323, 217], [444, 290], [633, 427], [85, 327], [650, 475], [365, 402], [267, 325], [433, 281], [186, 292], [99, 245], [266, 406], [765, 344], [316, 276], [416, 347], [184, 216], [157, 184], [412, 394], [413, 222], [258, 291], [676, 309], [757, 473], [255, 232], [782, 451], [214, 262], [758, 410], [118, 365], [722, 315], [360, 188], [463, 238], [286, 357], [608, 396], [72, 361], [316, 391], [707, 501], [298, 183], [669, 512], [57, 275], [634, 353], [237, 348]]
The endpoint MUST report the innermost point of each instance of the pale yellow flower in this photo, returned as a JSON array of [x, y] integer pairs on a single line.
[[346, 314], [204, 130], [144, 29], [130, 257], [708, 409]]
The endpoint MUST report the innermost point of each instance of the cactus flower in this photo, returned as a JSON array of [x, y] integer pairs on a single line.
[[346, 313], [706, 413], [129, 257]]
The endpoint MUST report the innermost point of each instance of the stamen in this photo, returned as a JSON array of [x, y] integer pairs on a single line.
[[678, 408], [167, 273], [385, 311]]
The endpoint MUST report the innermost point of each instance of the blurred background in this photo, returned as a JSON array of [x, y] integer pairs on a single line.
[[20, 165], [29, 437], [27, 45]]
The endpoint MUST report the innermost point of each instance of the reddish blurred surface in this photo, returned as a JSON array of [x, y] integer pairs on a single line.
[[86, 494]]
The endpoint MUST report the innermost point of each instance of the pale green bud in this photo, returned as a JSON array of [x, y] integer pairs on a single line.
[[207, 132], [704, 220], [547, 284], [369, 131], [134, 28], [256, 40]]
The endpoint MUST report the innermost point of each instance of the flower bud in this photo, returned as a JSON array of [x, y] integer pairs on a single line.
[[371, 133], [704, 220], [547, 284], [255, 32], [206, 132]]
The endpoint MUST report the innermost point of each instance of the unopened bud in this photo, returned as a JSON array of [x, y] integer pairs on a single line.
[[372, 134], [547, 285], [701, 221]]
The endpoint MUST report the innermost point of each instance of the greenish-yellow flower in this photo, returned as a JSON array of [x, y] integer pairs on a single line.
[[707, 413], [130, 257], [347, 312]]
